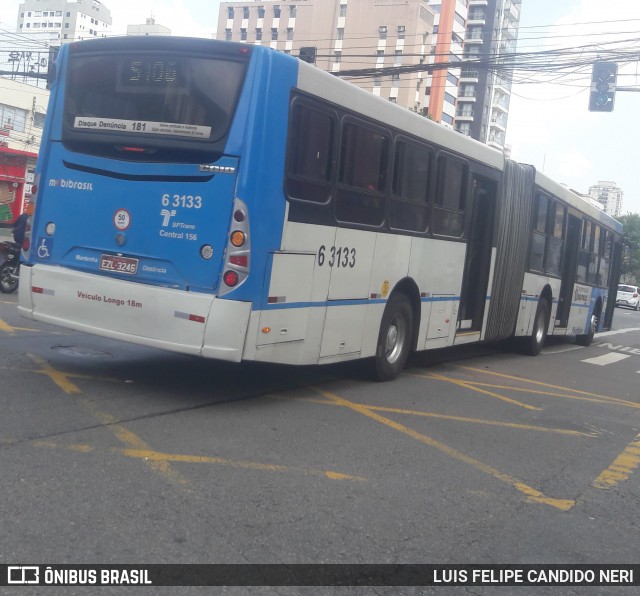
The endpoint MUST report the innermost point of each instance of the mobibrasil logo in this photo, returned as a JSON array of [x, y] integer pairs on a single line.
[[72, 184]]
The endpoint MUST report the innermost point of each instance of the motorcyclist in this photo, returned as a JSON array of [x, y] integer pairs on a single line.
[[19, 228]]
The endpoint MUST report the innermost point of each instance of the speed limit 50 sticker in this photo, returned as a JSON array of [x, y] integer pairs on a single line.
[[122, 219]]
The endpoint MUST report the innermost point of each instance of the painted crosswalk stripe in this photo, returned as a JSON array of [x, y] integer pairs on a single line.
[[605, 359]]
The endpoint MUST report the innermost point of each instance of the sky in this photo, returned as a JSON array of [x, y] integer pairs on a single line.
[[549, 124]]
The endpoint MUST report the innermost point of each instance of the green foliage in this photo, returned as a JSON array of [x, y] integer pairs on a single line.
[[631, 264]]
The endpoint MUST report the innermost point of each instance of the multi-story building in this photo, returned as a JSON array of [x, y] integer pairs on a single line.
[[345, 35], [148, 28], [609, 195], [22, 111], [446, 52], [64, 20], [483, 96]]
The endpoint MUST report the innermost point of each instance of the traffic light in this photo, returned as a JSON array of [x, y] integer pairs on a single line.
[[603, 87], [308, 54]]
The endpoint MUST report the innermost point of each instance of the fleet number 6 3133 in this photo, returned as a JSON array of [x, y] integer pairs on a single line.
[[186, 201]]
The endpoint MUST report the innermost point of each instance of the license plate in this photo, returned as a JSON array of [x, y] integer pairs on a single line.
[[119, 264]]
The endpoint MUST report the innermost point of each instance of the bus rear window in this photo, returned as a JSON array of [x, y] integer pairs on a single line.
[[151, 96]]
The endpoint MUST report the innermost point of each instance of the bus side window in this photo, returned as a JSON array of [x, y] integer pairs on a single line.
[[410, 187], [585, 256], [362, 177], [538, 233], [451, 196], [311, 143], [555, 238]]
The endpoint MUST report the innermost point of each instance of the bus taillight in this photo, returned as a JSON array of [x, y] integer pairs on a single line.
[[238, 238], [239, 260], [231, 279], [236, 265]]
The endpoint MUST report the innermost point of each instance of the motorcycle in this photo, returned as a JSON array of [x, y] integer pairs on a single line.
[[10, 267]]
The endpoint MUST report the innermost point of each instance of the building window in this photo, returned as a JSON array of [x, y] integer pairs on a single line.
[[340, 34], [261, 12], [447, 119], [292, 11], [450, 99], [401, 31], [258, 34], [382, 30], [276, 11], [229, 12], [228, 36], [12, 118], [245, 12], [343, 10], [243, 35], [274, 34]]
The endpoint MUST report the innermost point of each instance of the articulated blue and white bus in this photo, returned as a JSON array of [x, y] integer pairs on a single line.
[[233, 202]]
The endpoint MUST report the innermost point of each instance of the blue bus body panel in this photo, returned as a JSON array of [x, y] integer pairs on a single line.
[[161, 220], [162, 214], [259, 134]]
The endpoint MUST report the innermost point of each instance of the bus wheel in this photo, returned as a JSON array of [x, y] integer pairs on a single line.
[[540, 326], [587, 338], [394, 339]]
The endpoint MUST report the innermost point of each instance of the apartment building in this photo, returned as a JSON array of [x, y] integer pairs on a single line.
[[369, 35], [446, 51], [483, 96], [609, 195], [64, 20]]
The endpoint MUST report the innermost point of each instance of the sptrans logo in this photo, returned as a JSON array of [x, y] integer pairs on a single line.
[[72, 184]]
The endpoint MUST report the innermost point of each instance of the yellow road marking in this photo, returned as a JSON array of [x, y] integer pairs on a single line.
[[597, 400], [6, 328], [560, 387], [127, 437], [59, 378], [420, 413], [470, 385], [533, 495], [158, 457], [562, 431], [622, 467]]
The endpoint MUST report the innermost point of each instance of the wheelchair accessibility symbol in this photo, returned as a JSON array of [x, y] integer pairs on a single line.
[[45, 248]]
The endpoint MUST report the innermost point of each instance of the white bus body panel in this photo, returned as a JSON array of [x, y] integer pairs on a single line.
[[345, 303], [581, 305], [148, 315]]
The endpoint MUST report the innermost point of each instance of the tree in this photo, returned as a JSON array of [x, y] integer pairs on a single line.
[[631, 265]]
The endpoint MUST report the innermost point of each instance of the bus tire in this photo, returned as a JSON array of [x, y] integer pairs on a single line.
[[394, 339], [538, 336], [587, 338], [8, 279]]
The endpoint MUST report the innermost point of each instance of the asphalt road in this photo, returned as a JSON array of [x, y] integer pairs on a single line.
[[113, 453]]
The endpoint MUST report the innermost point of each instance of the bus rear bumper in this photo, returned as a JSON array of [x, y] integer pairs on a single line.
[[165, 318]]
